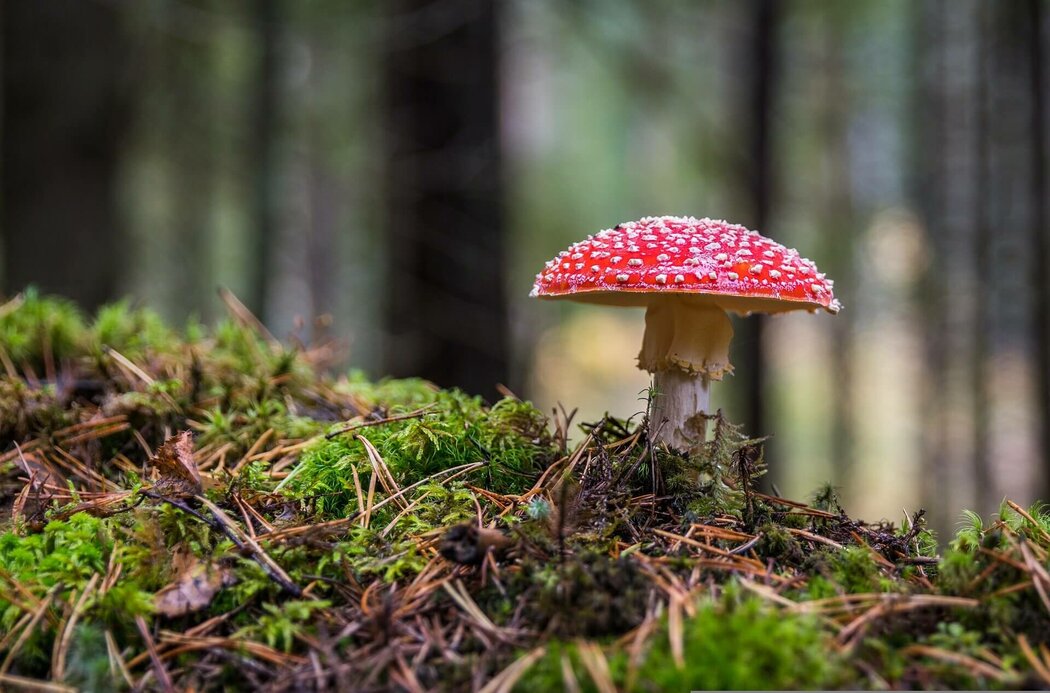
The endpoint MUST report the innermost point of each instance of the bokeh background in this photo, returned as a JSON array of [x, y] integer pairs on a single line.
[[392, 173]]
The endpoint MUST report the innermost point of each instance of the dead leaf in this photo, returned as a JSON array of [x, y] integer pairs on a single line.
[[193, 589], [174, 462]]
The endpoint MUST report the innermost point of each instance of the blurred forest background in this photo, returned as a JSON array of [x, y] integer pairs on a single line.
[[400, 169]]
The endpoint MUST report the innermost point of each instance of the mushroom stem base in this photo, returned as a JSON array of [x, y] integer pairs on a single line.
[[674, 416]]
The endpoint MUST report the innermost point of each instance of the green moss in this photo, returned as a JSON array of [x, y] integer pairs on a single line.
[[88, 663], [727, 645], [710, 481], [66, 553], [395, 395], [25, 410], [778, 543], [61, 560], [582, 560], [241, 424], [280, 624], [510, 438], [591, 595], [133, 332], [42, 327], [851, 569]]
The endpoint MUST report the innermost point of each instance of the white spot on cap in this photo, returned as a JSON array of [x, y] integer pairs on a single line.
[[721, 257], [679, 278], [622, 277], [595, 268], [774, 274], [660, 279], [615, 259], [663, 257], [734, 276], [634, 262], [769, 253], [579, 266], [743, 252], [756, 269]]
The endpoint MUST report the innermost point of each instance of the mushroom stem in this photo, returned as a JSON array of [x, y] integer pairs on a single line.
[[686, 345], [678, 399]]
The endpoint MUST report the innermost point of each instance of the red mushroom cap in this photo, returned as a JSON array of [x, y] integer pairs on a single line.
[[727, 264]]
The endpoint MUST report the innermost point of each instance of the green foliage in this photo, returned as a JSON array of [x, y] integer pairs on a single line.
[[61, 560], [970, 534], [42, 327], [369, 554], [88, 665], [131, 331], [510, 438], [396, 395], [728, 645], [280, 624], [851, 569], [826, 498], [241, 424], [66, 553], [24, 409], [708, 482], [578, 559]]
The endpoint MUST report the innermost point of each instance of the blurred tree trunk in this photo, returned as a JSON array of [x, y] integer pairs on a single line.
[[1040, 239], [263, 118], [986, 40], [946, 160], [445, 314], [1008, 203], [932, 103], [65, 89], [188, 122], [841, 240], [760, 58]]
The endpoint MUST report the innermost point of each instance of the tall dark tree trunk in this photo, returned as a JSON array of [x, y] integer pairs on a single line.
[[188, 122], [65, 88], [932, 103], [265, 102], [1040, 239], [840, 239], [760, 61], [446, 316], [986, 38]]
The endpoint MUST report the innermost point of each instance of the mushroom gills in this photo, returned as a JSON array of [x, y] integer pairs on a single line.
[[690, 336], [686, 346]]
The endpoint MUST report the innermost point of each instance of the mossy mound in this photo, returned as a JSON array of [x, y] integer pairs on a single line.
[[318, 531]]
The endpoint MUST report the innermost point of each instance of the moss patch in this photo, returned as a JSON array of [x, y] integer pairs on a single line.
[[310, 524]]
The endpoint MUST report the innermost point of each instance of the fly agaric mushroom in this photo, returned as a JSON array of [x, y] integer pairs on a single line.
[[687, 273]]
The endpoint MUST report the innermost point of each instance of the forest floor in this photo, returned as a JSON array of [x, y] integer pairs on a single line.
[[208, 509]]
